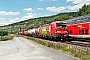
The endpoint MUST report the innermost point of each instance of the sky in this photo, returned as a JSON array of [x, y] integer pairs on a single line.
[[12, 11]]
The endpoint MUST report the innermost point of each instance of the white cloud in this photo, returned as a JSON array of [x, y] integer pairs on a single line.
[[28, 16], [28, 9], [33, 14], [69, 0], [14, 20], [78, 1], [75, 1], [77, 4], [3, 21], [40, 8], [55, 9], [75, 7], [4, 13]]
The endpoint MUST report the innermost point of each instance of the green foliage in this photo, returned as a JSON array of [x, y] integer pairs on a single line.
[[63, 17], [67, 48], [3, 33], [73, 14], [11, 32], [84, 10], [87, 57], [5, 38]]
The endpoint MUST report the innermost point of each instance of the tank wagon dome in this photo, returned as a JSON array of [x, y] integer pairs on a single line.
[[31, 30]]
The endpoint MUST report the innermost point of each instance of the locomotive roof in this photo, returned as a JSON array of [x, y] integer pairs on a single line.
[[74, 20], [78, 23]]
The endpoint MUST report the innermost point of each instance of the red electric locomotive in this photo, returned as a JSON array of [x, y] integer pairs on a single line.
[[80, 30], [57, 30]]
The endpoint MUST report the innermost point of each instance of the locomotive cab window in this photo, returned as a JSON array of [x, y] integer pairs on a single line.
[[64, 25], [61, 25], [58, 25], [85, 19], [89, 19]]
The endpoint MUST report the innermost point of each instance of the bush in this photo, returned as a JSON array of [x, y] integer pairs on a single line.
[[5, 38], [3, 33]]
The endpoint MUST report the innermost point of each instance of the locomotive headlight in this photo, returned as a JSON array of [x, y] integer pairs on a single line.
[[65, 31], [57, 31]]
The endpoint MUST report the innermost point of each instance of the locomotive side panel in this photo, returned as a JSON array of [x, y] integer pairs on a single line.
[[73, 29], [82, 30]]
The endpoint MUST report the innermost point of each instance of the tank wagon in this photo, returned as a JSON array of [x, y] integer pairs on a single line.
[[24, 32], [31, 32]]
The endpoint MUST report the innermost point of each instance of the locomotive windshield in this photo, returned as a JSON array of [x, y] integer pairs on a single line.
[[61, 25]]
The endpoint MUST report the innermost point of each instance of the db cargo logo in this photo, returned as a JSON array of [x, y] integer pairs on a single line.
[[80, 26]]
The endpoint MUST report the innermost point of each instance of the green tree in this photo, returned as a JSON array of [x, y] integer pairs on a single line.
[[3, 33], [84, 10]]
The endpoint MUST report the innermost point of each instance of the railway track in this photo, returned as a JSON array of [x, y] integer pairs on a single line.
[[78, 43]]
